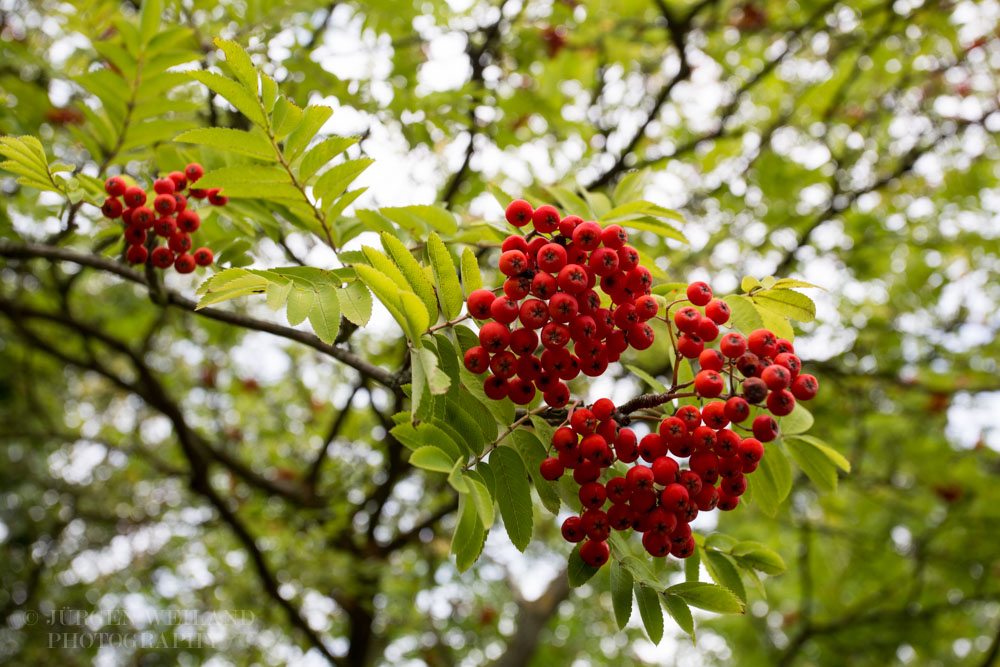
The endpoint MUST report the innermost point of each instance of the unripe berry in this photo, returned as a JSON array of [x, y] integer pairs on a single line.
[[115, 186], [594, 553], [546, 219], [709, 384], [805, 387], [193, 172], [699, 293], [765, 428], [134, 196], [184, 263], [162, 257], [136, 254], [718, 311]]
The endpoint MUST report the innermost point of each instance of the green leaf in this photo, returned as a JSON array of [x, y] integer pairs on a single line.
[[325, 314], [533, 453], [149, 19], [431, 434], [313, 118], [570, 203], [427, 376], [469, 537], [472, 279], [335, 180], [680, 612], [789, 283], [788, 303], [692, 566], [723, 572], [256, 174], [776, 323], [445, 276], [241, 65], [650, 611], [513, 495], [389, 294], [482, 499], [621, 593], [317, 156], [356, 303], [234, 93], [413, 272], [300, 302], [654, 384], [285, 117], [817, 460], [235, 141], [759, 557], [630, 186], [418, 218], [748, 283], [708, 597], [577, 571], [744, 316], [432, 458], [772, 481], [230, 284], [799, 420]]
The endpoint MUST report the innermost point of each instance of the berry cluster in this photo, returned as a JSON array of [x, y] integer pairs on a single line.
[[657, 497], [169, 218], [549, 292]]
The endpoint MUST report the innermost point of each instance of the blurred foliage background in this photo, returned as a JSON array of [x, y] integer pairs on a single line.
[[851, 144]]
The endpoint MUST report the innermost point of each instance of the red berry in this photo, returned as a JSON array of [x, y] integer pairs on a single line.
[[136, 254], [217, 199], [142, 217], [727, 503], [707, 330], [593, 495], [523, 341], [733, 345], [197, 193], [164, 186], [551, 257], [162, 257], [551, 469], [762, 342], [785, 347], [179, 179], [134, 196], [603, 262], [563, 307], [706, 465], [495, 387], [477, 360], [618, 490], [135, 235], [665, 470], [572, 528], [781, 402], [789, 361], [180, 202], [184, 264], [165, 227], [651, 447], [112, 208], [737, 409], [709, 384], [646, 307], [718, 311], [479, 302], [520, 391], [711, 360], [776, 377], [751, 450], [587, 235], [765, 428], [583, 421], [614, 237], [675, 497], [543, 285], [673, 430], [639, 280], [519, 213], [203, 257], [586, 470], [734, 486], [494, 337], [115, 186], [663, 522], [805, 387], [516, 287], [699, 293], [595, 522], [691, 417], [602, 409], [193, 172], [641, 336], [690, 346], [703, 437], [750, 365], [546, 219], [620, 516], [707, 499], [514, 242], [164, 204], [628, 258], [504, 310], [687, 319], [594, 553], [512, 263], [504, 364], [572, 278], [568, 224], [188, 221], [639, 477], [558, 396], [714, 415]]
